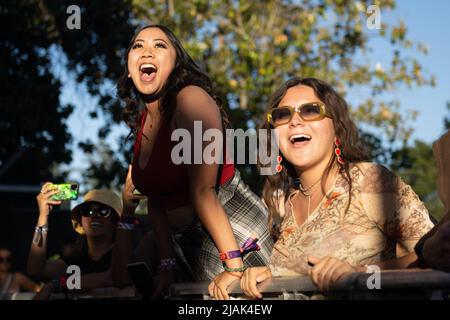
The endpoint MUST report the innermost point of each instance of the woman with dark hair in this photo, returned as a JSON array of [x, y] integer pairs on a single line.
[[200, 212], [13, 282], [346, 213]]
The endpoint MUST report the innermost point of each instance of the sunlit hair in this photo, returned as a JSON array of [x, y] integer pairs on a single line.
[[185, 72], [345, 130]]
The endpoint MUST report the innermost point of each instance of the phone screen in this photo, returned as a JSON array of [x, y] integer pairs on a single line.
[[142, 278], [67, 191]]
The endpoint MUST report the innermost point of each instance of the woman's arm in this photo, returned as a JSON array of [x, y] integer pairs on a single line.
[[38, 265], [194, 104], [96, 280], [123, 243], [163, 238], [27, 284]]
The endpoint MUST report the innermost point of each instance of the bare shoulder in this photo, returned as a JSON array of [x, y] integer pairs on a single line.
[[17, 276], [376, 178], [194, 97]]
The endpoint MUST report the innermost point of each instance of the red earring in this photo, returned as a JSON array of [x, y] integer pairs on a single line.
[[279, 167], [338, 152]]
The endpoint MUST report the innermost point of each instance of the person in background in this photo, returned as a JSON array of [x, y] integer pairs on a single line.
[[95, 220], [13, 282]]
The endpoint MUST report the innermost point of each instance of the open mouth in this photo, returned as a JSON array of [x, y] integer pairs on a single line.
[[298, 139], [147, 71], [95, 225]]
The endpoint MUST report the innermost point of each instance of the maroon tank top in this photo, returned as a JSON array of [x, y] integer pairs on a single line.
[[160, 177]]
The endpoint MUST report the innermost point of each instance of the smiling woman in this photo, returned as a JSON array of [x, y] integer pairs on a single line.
[[95, 220], [344, 213], [201, 213]]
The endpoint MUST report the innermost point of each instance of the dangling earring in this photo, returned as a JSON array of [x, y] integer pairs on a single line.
[[279, 167], [338, 152]]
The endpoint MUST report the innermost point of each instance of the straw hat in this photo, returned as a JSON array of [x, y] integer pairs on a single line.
[[106, 197]]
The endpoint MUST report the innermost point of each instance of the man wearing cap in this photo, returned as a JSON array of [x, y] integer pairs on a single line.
[[95, 220]]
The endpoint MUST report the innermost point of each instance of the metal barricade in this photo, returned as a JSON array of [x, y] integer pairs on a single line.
[[391, 284]]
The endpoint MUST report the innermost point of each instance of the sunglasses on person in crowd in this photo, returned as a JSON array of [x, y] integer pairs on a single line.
[[99, 210], [5, 259], [310, 111]]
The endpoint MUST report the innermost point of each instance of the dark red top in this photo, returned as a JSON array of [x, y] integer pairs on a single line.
[[162, 178]]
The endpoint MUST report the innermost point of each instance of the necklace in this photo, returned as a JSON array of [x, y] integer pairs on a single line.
[[305, 191], [308, 193]]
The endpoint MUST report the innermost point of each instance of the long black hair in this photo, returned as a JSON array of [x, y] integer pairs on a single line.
[[186, 72]]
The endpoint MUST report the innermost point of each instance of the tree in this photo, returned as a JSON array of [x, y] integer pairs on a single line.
[[34, 34], [417, 166], [250, 47], [247, 47]]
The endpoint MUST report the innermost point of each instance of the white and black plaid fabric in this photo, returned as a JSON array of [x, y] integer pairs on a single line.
[[196, 252]]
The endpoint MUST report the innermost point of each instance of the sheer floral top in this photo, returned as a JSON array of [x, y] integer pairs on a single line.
[[384, 214]]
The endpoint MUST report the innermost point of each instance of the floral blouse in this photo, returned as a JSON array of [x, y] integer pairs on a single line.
[[385, 215]]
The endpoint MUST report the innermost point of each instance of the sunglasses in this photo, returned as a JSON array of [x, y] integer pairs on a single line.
[[99, 210], [5, 259], [310, 111]]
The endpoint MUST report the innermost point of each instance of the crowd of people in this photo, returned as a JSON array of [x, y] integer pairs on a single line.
[[339, 212]]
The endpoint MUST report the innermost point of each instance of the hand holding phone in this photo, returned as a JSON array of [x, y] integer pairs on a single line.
[[66, 191]]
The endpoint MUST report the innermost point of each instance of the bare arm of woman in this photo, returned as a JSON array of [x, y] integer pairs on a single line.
[[163, 238], [123, 242], [38, 265], [26, 283], [96, 280], [194, 104]]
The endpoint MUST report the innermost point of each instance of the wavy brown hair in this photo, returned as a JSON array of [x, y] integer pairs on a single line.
[[185, 72], [345, 130]]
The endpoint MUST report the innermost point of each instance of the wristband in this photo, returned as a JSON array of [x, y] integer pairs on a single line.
[[249, 245], [38, 232], [167, 264], [229, 255], [239, 269], [125, 226]]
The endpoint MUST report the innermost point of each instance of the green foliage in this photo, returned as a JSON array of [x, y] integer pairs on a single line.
[[417, 166], [247, 47], [250, 47], [33, 122]]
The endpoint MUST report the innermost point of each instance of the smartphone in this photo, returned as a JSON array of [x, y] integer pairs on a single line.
[[142, 278], [67, 191]]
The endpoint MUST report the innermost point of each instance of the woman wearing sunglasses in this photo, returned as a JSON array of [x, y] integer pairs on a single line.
[[13, 282], [343, 214], [95, 221]]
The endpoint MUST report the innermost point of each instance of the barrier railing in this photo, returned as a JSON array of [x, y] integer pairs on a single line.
[[393, 284]]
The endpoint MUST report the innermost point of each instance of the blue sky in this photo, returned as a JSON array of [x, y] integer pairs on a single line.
[[427, 22]]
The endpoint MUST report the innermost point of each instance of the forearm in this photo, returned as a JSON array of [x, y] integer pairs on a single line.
[[213, 217], [38, 252], [27, 284], [96, 280], [162, 230], [122, 255], [398, 263]]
